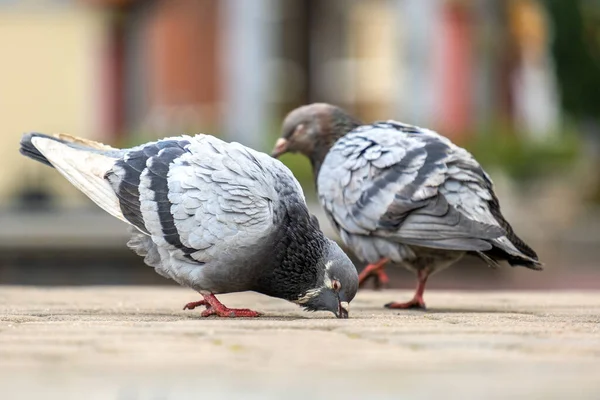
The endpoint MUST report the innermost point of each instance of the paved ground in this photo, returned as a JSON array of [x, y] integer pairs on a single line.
[[137, 343]]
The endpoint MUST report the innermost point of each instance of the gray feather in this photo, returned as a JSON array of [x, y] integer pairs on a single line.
[[203, 204], [408, 186]]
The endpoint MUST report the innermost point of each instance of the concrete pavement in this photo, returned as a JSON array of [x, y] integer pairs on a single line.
[[137, 343]]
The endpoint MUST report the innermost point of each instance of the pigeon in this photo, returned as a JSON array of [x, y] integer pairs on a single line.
[[400, 193], [213, 216]]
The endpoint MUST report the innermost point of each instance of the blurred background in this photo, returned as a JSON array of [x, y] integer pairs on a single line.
[[517, 82]]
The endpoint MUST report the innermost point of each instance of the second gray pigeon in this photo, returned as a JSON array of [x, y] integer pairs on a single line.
[[216, 217], [397, 192]]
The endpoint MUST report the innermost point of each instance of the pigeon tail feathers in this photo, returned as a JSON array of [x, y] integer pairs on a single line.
[[83, 162], [29, 150]]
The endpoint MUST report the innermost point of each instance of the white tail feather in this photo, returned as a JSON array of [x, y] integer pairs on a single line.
[[85, 170]]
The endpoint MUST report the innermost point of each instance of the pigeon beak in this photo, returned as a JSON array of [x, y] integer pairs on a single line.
[[343, 310], [280, 147]]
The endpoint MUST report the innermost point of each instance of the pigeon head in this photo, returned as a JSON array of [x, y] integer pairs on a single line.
[[312, 129], [336, 286]]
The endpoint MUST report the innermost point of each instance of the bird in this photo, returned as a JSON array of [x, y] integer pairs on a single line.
[[214, 216], [399, 193]]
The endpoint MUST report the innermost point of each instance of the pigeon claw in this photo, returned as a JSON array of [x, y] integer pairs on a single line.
[[230, 313], [414, 304], [381, 279], [417, 300], [215, 307], [194, 304], [376, 272]]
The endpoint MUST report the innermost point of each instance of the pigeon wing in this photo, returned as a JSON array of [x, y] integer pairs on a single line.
[[409, 184], [197, 197], [223, 198]]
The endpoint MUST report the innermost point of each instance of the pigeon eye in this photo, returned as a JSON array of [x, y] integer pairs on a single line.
[[336, 285]]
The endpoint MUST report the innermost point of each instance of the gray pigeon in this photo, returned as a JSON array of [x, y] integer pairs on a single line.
[[400, 193], [213, 216]]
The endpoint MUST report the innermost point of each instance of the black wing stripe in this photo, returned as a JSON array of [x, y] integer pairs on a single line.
[[158, 169], [125, 179]]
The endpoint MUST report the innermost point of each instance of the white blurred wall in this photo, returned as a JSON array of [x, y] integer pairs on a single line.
[[49, 68]]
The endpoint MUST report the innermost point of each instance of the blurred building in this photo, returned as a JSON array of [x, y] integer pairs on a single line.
[[129, 71], [125, 71], [49, 78]]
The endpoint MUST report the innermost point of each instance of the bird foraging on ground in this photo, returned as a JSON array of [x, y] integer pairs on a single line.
[[400, 193], [213, 216]]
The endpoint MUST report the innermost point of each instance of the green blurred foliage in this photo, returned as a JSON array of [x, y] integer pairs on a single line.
[[522, 158], [576, 51]]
